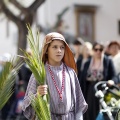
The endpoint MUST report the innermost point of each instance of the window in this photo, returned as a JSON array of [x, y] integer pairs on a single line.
[[85, 22]]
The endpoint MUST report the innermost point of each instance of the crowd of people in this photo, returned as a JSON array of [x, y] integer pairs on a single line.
[[98, 63], [95, 62]]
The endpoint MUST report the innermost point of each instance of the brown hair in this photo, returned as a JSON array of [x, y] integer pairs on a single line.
[[114, 43], [96, 43]]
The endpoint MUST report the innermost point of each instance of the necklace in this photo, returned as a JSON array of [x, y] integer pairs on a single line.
[[63, 81]]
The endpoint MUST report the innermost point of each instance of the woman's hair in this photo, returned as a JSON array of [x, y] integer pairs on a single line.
[[97, 43], [77, 42], [114, 43], [89, 46]]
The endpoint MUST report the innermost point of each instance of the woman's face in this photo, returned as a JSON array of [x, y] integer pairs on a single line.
[[56, 52], [97, 51]]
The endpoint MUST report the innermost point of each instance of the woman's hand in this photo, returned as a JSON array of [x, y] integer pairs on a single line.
[[110, 82], [42, 89]]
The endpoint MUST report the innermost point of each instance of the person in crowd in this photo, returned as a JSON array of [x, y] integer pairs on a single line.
[[86, 53], [77, 44], [66, 98], [24, 74], [114, 48], [98, 68]]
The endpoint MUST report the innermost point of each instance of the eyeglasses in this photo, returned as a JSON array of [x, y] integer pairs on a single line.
[[98, 49]]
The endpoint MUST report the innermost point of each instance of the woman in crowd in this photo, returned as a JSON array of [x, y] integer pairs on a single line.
[[77, 49], [98, 68], [86, 53]]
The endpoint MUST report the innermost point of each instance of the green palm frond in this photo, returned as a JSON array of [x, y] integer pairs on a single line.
[[34, 61], [41, 106], [7, 80]]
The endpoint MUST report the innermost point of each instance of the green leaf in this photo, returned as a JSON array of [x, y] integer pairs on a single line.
[[41, 107], [7, 80], [39, 104]]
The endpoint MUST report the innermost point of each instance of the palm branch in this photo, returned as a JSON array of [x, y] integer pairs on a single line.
[[39, 103], [7, 80]]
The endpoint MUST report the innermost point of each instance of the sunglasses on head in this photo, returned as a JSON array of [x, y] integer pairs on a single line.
[[98, 49]]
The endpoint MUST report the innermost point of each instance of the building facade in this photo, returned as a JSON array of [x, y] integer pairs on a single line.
[[91, 20]]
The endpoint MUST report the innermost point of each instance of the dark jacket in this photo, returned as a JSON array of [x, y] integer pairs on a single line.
[[88, 87], [108, 70], [79, 64]]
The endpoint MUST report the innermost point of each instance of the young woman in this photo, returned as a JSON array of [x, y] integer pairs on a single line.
[[86, 54], [66, 99], [98, 68]]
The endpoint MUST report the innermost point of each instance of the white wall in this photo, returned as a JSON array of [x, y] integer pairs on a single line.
[[107, 21], [8, 44], [107, 16]]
